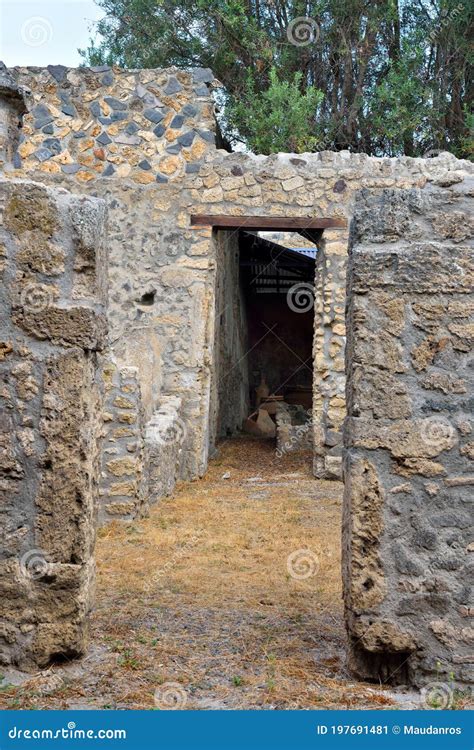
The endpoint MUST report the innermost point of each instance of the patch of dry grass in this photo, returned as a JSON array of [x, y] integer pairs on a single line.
[[199, 594]]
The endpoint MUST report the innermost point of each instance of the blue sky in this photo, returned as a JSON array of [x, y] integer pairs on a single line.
[[43, 32]]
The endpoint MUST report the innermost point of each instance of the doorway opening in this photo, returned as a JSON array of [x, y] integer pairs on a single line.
[[263, 343]]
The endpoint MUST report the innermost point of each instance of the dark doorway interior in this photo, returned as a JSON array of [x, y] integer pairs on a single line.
[[280, 335], [264, 326]]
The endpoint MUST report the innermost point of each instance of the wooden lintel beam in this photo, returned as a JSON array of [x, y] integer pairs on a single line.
[[265, 223]]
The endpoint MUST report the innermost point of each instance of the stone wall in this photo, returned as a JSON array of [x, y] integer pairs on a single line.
[[294, 429], [165, 434], [144, 141], [122, 491], [230, 404], [53, 283], [12, 109], [132, 138], [409, 472]]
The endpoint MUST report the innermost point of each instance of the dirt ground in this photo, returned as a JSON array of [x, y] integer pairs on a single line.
[[228, 596]]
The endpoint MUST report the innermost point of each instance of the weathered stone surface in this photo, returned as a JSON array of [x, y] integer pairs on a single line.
[[363, 528], [49, 430], [122, 447], [407, 417], [164, 437], [32, 209], [144, 141], [74, 326], [419, 438], [294, 429]]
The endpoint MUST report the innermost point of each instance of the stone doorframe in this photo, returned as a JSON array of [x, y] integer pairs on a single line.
[[331, 236], [329, 380]]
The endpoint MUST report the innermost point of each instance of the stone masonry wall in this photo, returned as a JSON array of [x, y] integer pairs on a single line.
[[122, 492], [165, 434], [53, 267], [293, 429], [132, 137], [230, 402], [409, 472], [144, 141]]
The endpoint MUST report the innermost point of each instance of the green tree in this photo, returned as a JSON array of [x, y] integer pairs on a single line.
[[378, 76], [281, 118]]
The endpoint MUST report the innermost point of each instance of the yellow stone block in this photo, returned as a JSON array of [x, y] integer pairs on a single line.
[[143, 178], [169, 165], [85, 176]]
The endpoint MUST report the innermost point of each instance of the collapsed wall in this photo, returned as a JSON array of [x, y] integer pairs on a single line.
[[409, 475], [52, 296]]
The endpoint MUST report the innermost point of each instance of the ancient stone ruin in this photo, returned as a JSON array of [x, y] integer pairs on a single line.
[[126, 323]]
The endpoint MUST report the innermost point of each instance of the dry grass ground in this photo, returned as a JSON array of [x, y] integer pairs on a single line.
[[196, 605]]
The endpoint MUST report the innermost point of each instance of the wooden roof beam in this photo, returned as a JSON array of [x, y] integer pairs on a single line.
[[269, 223]]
